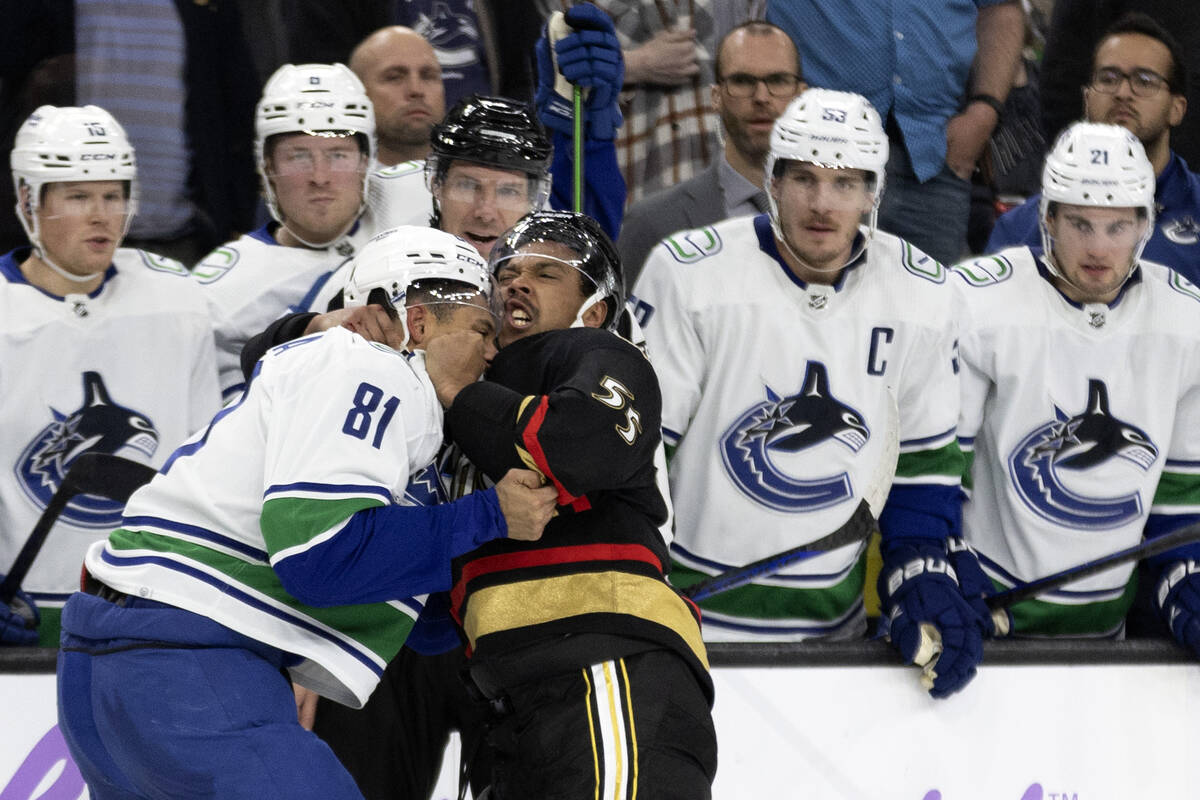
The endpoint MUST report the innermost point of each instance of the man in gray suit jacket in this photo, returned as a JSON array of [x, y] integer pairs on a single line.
[[757, 75]]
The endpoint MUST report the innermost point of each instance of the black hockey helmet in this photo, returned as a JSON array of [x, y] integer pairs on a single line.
[[493, 131], [597, 257]]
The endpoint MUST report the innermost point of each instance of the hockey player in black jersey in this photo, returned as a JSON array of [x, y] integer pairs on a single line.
[[592, 660]]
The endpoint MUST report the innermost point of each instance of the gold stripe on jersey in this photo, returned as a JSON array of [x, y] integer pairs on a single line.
[[509, 606]]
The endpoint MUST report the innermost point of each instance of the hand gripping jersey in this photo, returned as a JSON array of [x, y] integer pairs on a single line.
[[582, 407], [128, 369], [276, 476], [1080, 421], [253, 280], [776, 395]]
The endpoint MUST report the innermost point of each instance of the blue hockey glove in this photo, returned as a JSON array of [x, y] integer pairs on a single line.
[[927, 618], [580, 48], [19, 620], [1178, 598], [976, 586]]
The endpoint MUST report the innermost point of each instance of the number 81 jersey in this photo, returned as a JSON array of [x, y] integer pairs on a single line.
[[330, 425]]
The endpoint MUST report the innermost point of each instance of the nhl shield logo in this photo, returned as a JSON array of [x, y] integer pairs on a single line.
[[1055, 466], [784, 425], [98, 425]]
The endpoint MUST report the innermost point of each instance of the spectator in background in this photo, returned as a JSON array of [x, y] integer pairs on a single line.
[[1077, 26], [757, 74], [483, 46], [401, 74], [180, 76], [1138, 81], [670, 130], [939, 73], [102, 348]]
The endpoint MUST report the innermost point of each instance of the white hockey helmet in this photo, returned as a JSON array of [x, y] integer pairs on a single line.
[[69, 143], [393, 262], [1095, 164], [836, 130], [314, 99]]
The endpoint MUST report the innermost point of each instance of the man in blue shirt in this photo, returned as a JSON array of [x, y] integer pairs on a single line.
[[939, 92], [1139, 82]]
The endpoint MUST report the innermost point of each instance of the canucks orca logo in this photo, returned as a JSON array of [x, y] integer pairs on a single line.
[[1183, 230], [1065, 450], [98, 425], [785, 425]]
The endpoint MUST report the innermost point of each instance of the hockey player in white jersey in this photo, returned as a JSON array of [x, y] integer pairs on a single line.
[[284, 537], [104, 349], [782, 342], [1081, 395], [314, 145]]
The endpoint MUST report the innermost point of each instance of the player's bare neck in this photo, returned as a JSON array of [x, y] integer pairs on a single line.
[[39, 274]]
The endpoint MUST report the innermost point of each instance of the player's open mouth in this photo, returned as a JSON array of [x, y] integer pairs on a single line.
[[519, 317], [480, 238]]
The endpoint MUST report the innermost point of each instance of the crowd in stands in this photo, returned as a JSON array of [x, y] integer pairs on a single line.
[[923, 280]]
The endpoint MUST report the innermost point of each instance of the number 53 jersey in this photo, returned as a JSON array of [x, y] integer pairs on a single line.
[[778, 396]]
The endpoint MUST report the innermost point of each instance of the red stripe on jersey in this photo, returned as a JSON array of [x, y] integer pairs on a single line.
[[546, 556], [534, 447]]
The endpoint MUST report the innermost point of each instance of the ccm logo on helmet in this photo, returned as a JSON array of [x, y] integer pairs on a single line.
[[315, 104], [97, 157]]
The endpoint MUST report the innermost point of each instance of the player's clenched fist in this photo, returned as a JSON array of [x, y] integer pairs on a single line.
[[455, 360], [526, 504]]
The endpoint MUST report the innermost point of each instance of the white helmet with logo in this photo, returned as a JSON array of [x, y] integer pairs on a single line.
[[314, 99], [1095, 164], [399, 259], [836, 130], [55, 145]]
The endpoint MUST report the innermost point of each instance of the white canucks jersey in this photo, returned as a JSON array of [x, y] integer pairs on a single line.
[[128, 369], [276, 473], [777, 395], [252, 281], [1080, 421]]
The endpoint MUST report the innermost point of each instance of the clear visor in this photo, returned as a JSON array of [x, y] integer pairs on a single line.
[[817, 188], [85, 204], [540, 268], [516, 193], [300, 157]]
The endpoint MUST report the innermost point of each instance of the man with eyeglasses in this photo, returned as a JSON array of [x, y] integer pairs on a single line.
[[1139, 82], [758, 72]]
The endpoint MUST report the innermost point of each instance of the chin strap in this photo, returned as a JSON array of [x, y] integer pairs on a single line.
[[592, 299], [59, 271]]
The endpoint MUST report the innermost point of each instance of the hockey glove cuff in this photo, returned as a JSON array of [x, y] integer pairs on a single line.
[[976, 586], [1178, 598], [927, 618], [19, 621]]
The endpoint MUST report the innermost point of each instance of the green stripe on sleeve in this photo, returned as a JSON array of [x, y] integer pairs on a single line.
[[291, 521], [946, 460]]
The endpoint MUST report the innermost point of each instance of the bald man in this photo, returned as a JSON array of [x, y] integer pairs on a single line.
[[404, 81]]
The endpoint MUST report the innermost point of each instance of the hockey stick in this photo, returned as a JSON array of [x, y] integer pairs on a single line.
[[1138, 552], [856, 529], [577, 143], [100, 474]]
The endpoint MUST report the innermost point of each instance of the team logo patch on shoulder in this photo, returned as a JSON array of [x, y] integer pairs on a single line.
[[98, 425], [400, 170], [756, 446], [215, 265], [1183, 285], [163, 264], [922, 265], [1183, 230], [688, 247], [1071, 470], [425, 488], [984, 271]]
